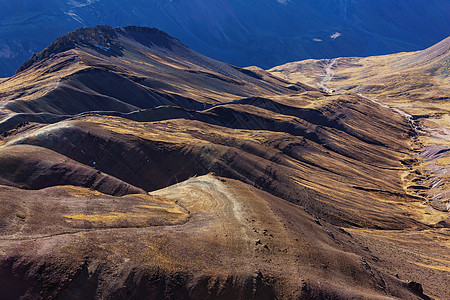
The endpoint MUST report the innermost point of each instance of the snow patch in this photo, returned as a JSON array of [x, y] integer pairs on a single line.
[[75, 17], [335, 35]]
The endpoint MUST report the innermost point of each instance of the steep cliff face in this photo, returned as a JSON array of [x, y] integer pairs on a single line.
[[263, 33]]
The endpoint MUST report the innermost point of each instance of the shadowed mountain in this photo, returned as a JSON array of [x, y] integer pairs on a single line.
[[132, 165], [264, 33]]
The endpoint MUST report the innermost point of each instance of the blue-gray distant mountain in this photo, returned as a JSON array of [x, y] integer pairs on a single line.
[[251, 32]]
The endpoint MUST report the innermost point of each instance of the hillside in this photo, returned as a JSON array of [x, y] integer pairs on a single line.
[[415, 85], [132, 165]]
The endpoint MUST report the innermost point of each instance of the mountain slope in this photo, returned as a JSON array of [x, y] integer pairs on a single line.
[[263, 33], [416, 85], [246, 246], [132, 165], [167, 73]]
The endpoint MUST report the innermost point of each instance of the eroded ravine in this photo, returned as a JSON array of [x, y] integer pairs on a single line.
[[426, 177], [323, 84]]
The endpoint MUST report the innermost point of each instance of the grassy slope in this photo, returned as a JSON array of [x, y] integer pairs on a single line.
[[339, 161], [415, 85]]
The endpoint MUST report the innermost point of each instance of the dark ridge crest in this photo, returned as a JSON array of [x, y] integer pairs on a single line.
[[104, 39], [85, 36], [150, 37]]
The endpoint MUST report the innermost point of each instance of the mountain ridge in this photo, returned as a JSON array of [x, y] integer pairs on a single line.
[[100, 50], [99, 38]]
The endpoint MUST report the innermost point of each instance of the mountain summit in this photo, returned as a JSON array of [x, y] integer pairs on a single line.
[[155, 68], [104, 39]]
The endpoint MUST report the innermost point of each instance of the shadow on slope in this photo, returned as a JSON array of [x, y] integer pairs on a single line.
[[34, 167], [261, 247], [329, 170]]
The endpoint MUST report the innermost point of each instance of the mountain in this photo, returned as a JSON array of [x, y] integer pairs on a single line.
[[135, 65], [133, 166], [416, 85], [264, 33]]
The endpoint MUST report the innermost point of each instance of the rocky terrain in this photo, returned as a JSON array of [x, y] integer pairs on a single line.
[[133, 167]]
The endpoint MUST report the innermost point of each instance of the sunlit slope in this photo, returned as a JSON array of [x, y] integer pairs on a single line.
[[127, 69], [316, 155], [208, 237], [415, 86], [414, 76], [131, 165]]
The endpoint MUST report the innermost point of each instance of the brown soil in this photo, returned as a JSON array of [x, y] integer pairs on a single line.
[[146, 170]]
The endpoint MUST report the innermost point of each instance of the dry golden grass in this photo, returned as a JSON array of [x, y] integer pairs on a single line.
[[417, 83], [133, 219], [342, 159], [79, 192], [439, 268], [418, 255]]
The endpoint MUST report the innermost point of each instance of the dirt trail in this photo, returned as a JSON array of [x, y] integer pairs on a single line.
[[328, 76], [218, 200]]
